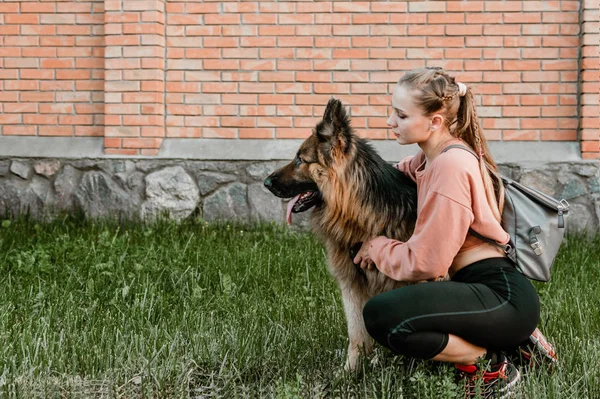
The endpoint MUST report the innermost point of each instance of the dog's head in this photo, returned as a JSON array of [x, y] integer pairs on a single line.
[[303, 178]]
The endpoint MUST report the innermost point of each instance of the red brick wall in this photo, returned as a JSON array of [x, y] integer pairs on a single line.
[[137, 71], [590, 80], [52, 68]]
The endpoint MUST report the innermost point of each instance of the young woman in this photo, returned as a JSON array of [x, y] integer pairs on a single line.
[[487, 306]]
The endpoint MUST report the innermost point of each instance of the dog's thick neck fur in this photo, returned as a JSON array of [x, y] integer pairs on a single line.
[[361, 186]]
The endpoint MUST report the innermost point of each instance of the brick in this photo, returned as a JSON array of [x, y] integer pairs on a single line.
[[333, 88], [371, 19], [502, 6], [446, 42], [560, 17], [521, 111], [233, 30], [360, 53], [350, 30], [521, 135], [522, 18], [211, 121], [314, 30], [295, 41], [502, 30], [332, 19], [386, 30], [510, 65], [313, 53], [258, 42], [341, 7], [379, 53], [296, 19], [18, 130], [38, 30], [418, 42], [260, 110], [239, 98], [55, 130], [141, 142], [22, 19], [293, 88], [294, 110], [463, 30], [546, 76], [408, 19], [221, 64], [331, 65], [195, 8], [222, 19], [258, 65], [426, 30], [314, 77], [259, 19], [560, 41], [232, 76], [314, 7], [256, 133], [332, 42], [523, 41], [276, 99], [426, 6], [295, 65], [497, 53], [276, 7], [463, 53]]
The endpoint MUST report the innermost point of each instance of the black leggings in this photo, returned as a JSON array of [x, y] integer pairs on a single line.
[[488, 303]]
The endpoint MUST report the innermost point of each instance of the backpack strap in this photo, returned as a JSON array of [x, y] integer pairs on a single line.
[[463, 147], [506, 248]]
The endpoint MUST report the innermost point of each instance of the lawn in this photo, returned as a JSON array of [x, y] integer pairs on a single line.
[[226, 311]]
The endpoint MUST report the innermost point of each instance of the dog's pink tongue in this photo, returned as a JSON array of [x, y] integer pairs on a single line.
[[289, 208]]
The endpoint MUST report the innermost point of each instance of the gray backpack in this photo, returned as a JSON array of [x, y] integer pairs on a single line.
[[536, 225]]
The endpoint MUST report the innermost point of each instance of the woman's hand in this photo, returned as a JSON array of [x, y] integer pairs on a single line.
[[362, 257]]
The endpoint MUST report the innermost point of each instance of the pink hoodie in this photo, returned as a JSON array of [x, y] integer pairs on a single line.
[[451, 198]]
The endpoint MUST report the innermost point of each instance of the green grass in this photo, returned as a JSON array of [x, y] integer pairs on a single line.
[[207, 311]]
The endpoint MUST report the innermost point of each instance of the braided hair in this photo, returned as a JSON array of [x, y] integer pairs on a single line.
[[438, 92]]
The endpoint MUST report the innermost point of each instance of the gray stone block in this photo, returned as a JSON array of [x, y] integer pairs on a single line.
[[227, 203], [21, 169], [4, 167], [209, 181], [100, 197], [170, 191], [264, 205], [65, 185]]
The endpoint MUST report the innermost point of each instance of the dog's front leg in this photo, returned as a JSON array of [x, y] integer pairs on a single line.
[[354, 299]]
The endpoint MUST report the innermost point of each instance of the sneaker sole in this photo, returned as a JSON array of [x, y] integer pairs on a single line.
[[507, 390]]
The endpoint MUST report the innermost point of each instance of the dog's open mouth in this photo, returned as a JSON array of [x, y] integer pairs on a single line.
[[302, 202]]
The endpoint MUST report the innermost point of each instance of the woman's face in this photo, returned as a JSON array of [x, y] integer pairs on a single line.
[[407, 121]]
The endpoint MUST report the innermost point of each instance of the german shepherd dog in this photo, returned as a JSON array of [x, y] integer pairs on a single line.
[[355, 196]]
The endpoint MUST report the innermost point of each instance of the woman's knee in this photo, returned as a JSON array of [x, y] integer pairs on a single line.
[[376, 318]]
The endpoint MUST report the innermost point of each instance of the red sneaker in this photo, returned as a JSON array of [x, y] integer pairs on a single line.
[[537, 352], [498, 383]]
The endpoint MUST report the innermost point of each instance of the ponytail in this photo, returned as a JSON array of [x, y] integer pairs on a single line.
[[469, 130]]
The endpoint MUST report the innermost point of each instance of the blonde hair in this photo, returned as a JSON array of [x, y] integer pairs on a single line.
[[438, 92]]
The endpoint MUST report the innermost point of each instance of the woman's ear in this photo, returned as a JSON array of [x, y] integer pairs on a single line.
[[436, 122]]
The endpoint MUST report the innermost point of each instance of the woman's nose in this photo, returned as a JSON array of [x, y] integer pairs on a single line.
[[390, 121]]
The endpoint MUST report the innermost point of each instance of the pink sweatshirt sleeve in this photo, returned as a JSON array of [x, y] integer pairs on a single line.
[[439, 234], [440, 231]]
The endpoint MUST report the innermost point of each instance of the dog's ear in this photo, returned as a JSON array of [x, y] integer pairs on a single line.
[[335, 122]]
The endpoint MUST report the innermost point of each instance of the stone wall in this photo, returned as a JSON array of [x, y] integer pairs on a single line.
[[221, 190]]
